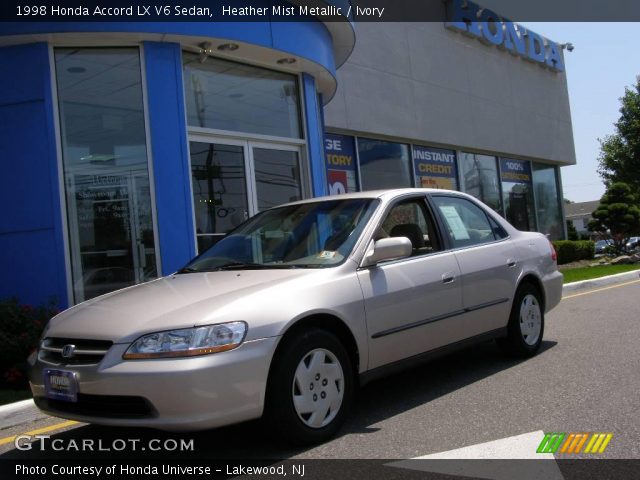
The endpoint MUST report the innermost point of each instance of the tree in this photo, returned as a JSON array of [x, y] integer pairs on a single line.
[[620, 153], [572, 232], [618, 214]]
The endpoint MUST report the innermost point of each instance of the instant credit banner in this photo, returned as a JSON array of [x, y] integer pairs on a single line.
[[515, 171], [435, 168], [341, 163]]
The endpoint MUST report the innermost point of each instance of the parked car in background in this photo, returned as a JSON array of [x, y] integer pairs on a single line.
[[601, 246], [289, 312], [633, 243]]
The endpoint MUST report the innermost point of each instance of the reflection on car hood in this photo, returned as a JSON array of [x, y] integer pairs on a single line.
[[177, 301]]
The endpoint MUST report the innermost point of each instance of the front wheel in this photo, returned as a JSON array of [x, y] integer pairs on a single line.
[[310, 388], [526, 323]]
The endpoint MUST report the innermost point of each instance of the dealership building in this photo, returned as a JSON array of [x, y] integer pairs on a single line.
[[127, 148]]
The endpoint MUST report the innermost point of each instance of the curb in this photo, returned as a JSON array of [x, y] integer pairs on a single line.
[[16, 406], [600, 282]]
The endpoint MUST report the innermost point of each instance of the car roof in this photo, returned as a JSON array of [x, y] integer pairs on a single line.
[[381, 194]]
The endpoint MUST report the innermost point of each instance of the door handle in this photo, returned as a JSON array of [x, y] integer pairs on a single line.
[[511, 263], [448, 277]]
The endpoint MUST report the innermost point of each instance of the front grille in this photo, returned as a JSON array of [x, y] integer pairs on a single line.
[[85, 352], [104, 406]]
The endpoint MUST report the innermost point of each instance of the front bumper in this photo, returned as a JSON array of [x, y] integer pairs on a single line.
[[181, 394]]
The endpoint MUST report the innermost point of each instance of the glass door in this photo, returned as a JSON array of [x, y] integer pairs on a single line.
[[113, 246], [220, 190], [106, 169], [277, 175], [233, 179]]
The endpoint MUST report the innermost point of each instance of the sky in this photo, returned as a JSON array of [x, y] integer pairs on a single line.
[[604, 61]]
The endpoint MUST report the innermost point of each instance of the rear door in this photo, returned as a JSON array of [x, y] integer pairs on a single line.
[[488, 261], [411, 304]]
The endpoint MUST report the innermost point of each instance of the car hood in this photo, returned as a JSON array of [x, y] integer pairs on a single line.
[[176, 301]]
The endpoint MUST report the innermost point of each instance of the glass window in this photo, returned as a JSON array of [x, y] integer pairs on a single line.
[[384, 164], [231, 96], [466, 223], [479, 177], [435, 168], [278, 178], [517, 193], [104, 155], [412, 220], [547, 197], [340, 154], [219, 189], [498, 231]]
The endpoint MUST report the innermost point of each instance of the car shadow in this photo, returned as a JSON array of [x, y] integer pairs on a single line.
[[375, 402]]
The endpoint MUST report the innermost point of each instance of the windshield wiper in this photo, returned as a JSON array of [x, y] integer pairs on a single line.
[[187, 270], [240, 266], [252, 266]]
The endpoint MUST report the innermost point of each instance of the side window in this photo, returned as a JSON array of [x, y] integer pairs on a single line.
[[498, 231], [466, 223], [411, 219]]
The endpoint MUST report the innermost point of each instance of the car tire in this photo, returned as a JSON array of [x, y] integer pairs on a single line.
[[310, 388], [526, 323]]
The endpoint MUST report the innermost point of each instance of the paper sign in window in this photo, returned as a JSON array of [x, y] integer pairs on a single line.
[[455, 223]]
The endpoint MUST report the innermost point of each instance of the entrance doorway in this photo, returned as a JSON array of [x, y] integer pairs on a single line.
[[105, 163], [233, 179], [113, 242]]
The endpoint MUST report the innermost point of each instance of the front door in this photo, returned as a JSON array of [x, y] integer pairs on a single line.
[[413, 304]]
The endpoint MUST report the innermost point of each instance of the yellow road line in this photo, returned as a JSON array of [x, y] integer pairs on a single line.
[[38, 431], [601, 289]]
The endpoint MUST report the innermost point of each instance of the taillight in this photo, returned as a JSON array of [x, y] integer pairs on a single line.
[[554, 255]]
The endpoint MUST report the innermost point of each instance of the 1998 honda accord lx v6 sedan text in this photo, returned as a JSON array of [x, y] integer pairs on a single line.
[[289, 312]]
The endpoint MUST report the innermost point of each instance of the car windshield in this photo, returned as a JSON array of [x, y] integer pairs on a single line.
[[308, 235]]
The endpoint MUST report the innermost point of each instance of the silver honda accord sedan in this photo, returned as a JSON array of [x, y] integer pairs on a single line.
[[291, 311]]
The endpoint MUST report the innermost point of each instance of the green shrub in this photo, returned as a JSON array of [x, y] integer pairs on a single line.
[[20, 330], [574, 250]]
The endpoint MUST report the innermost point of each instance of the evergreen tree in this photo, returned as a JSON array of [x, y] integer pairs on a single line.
[[618, 215]]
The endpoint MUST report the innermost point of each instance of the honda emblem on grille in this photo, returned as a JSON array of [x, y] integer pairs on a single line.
[[68, 351]]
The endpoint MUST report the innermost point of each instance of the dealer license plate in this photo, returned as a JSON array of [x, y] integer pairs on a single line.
[[61, 385]]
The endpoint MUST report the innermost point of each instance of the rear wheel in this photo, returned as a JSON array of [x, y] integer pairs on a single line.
[[310, 388], [526, 323]]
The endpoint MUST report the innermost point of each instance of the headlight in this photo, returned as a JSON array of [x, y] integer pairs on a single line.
[[188, 342]]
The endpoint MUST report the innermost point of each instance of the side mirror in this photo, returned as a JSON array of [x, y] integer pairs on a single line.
[[387, 249]]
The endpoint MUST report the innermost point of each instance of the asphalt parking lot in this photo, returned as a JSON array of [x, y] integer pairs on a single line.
[[586, 379]]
